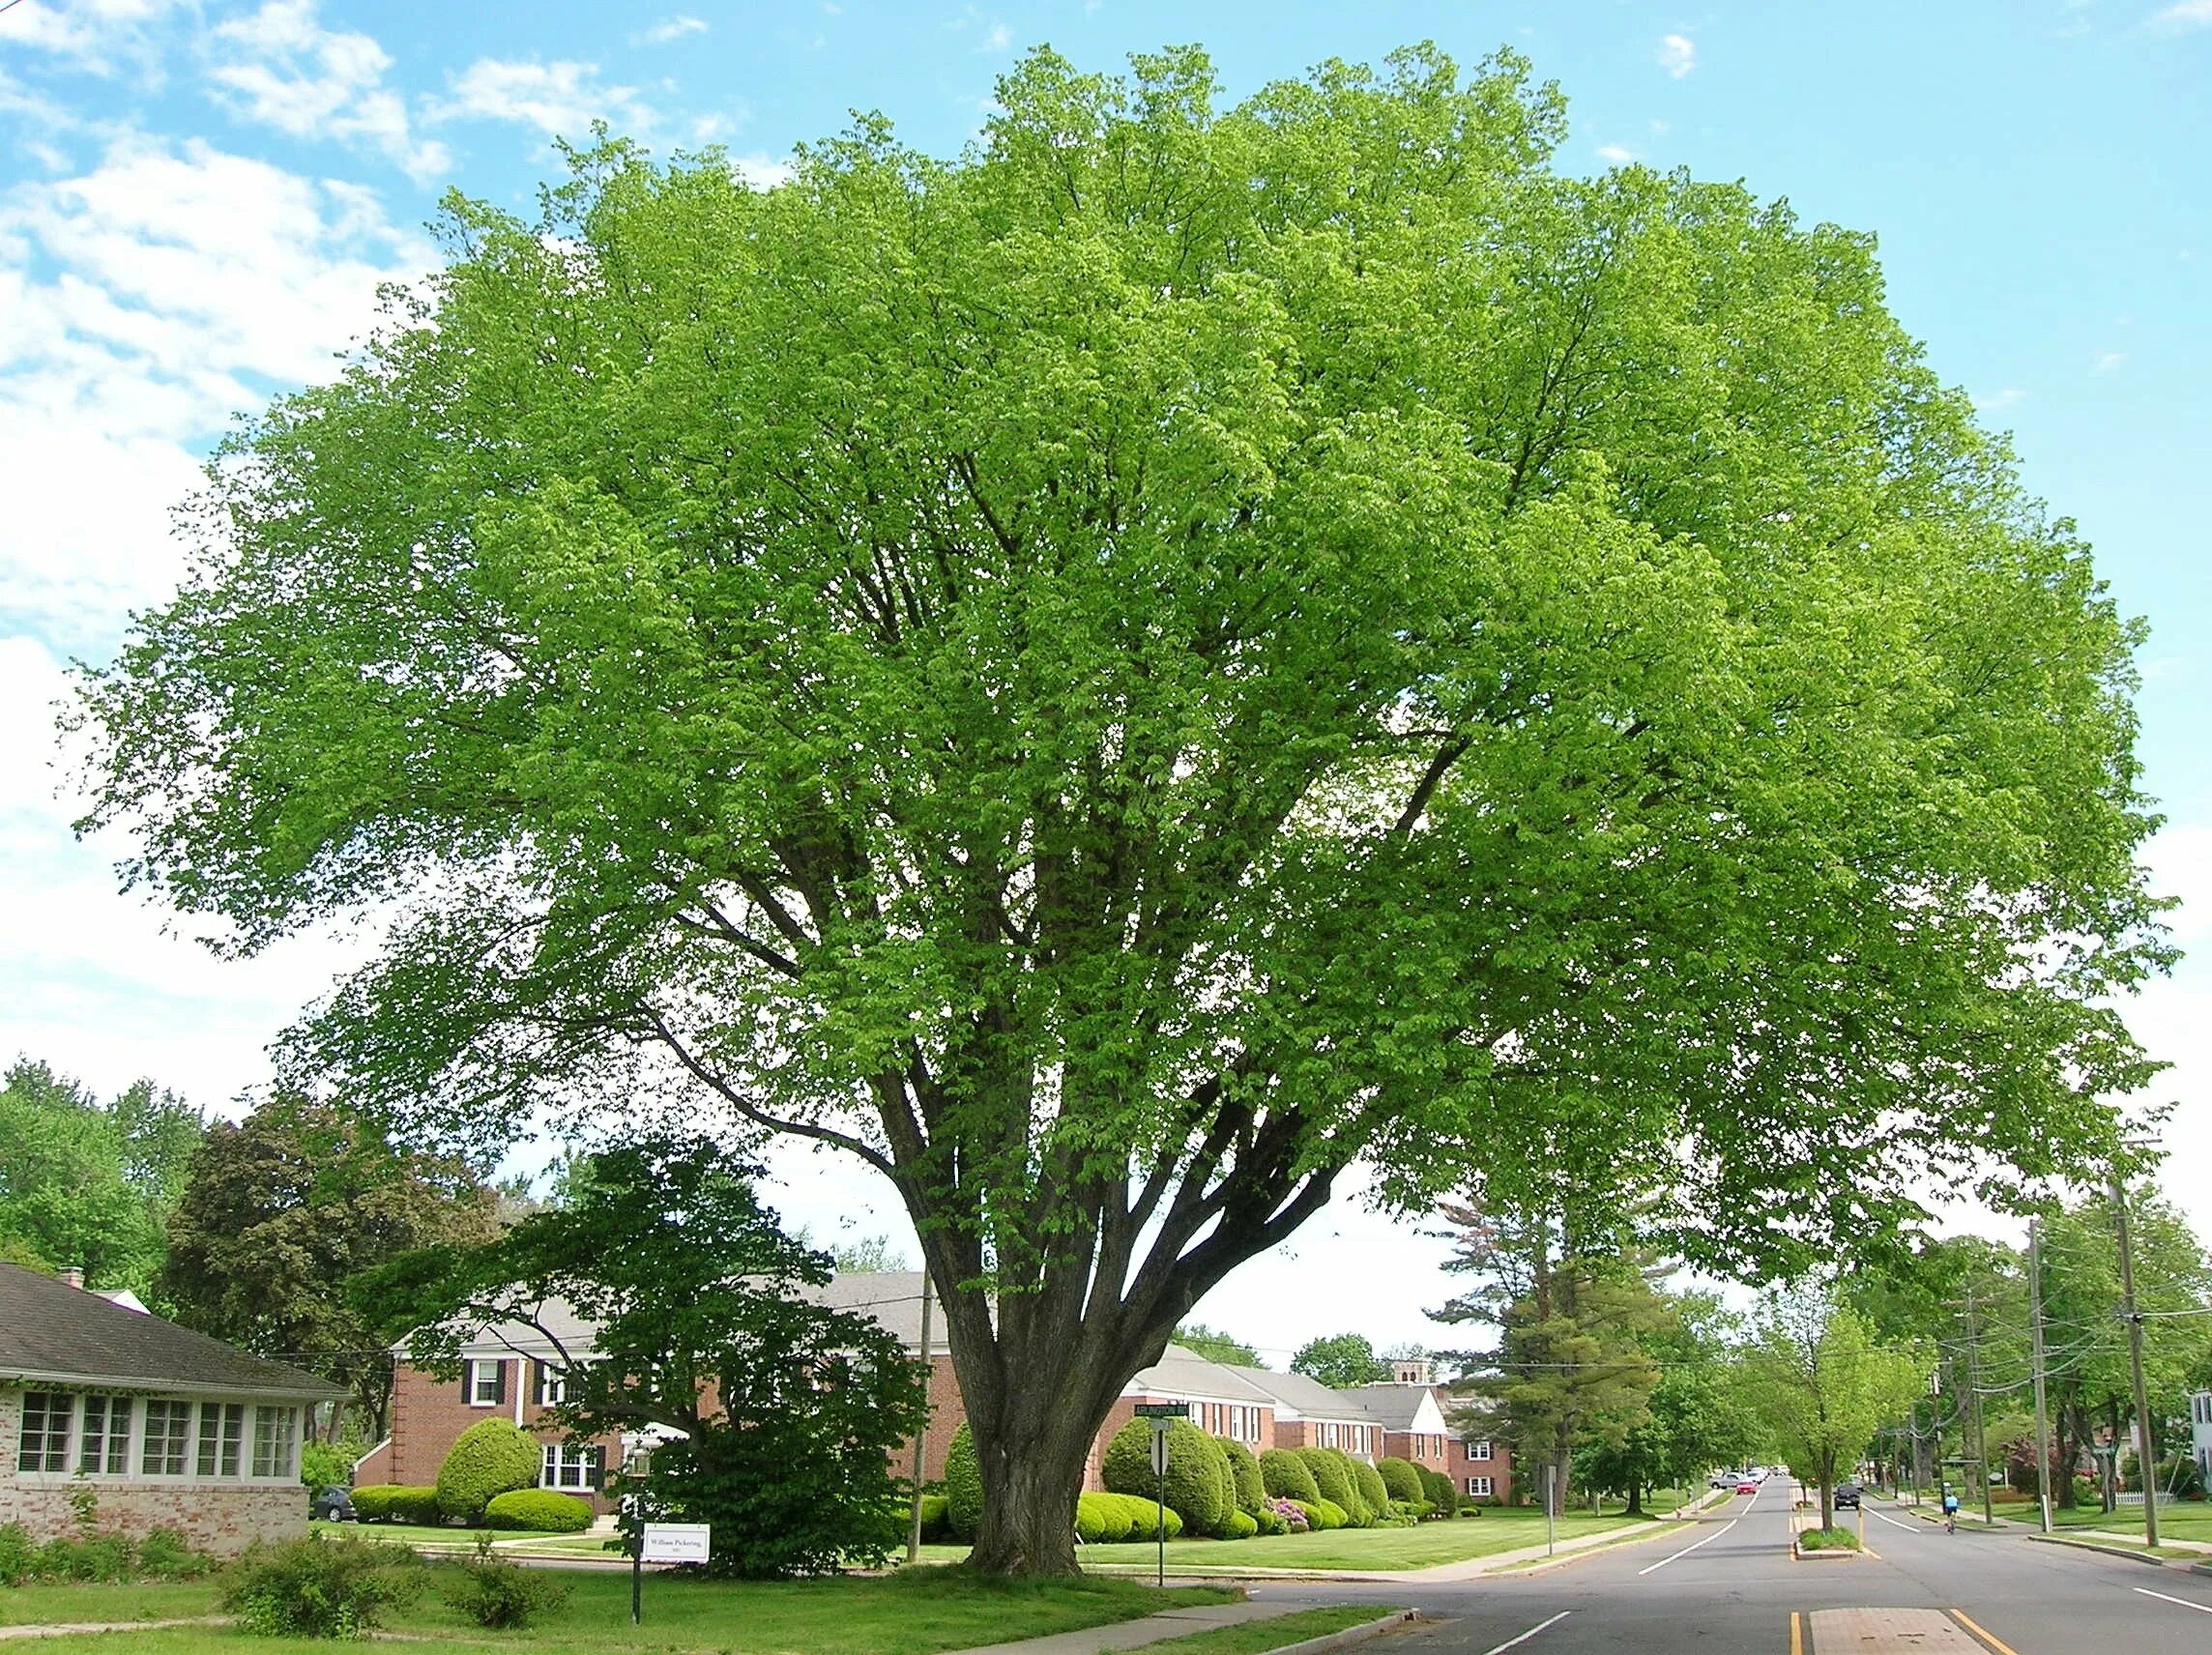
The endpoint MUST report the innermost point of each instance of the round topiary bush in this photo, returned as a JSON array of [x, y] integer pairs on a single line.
[[1284, 1475], [1441, 1491], [1328, 1476], [963, 1487], [491, 1456], [1402, 1479], [1372, 1491], [1242, 1524], [1143, 1517], [1198, 1476], [1100, 1519], [1246, 1487], [1320, 1513], [541, 1509]]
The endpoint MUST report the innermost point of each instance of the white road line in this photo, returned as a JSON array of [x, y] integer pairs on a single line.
[[2200, 1609], [1687, 1550], [1893, 1523], [1500, 1649]]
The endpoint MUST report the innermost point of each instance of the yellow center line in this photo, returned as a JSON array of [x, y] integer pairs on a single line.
[[1796, 1633], [1984, 1633]]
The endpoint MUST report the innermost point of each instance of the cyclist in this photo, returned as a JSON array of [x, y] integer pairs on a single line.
[[1950, 1512]]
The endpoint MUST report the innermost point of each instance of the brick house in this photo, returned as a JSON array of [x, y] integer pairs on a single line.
[[165, 1428]]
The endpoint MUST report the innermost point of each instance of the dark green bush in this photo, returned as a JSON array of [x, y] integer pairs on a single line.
[[1372, 1492], [1403, 1478], [319, 1586], [1198, 1476], [397, 1502], [1441, 1491], [1329, 1476], [500, 1593], [1247, 1488], [1285, 1475], [19, 1555], [936, 1517], [542, 1509], [963, 1488], [93, 1558], [373, 1501], [491, 1456], [165, 1555]]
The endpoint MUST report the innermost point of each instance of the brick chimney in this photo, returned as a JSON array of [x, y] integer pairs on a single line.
[[73, 1277]]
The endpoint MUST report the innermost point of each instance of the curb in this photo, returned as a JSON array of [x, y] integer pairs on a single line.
[[1823, 1554], [1545, 1565], [2105, 1550], [1349, 1636]]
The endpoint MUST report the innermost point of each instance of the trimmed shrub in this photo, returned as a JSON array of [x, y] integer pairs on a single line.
[[373, 1501], [1100, 1519], [397, 1502], [537, 1508], [964, 1488], [491, 1456], [1285, 1476], [1144, 1517], [1319, 1514], [1241, 1525], [1245, 1488], [1328, 1475], [498, 1593], [936, 1518], [320, 1587], [1197, 1484], [1442, 1493], [1403, 1478], [1273, 1520], [1372, 1492]]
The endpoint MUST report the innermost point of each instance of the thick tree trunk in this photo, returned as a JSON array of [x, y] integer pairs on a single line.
[[1029, 1487], [1635, 1499]]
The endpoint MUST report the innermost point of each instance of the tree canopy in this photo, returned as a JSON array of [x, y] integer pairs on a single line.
[[1115, 674], [1823, 1385], [1216, 1345], [1341, 1361]]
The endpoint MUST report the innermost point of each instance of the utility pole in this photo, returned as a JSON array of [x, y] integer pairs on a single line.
[[2042, 1409], [2146, 1451], [928, 1375], [1974, 1390]]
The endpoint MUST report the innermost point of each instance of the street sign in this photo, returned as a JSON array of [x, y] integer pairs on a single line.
[[673, 1543], [1160, 1413], [1159, 1453]]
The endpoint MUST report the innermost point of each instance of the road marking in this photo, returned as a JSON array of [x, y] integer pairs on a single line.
[[1797, 1634], [1984, 1633], [2185, 1603], [1500, 1649], [1687, 1550], [1891, 1521]]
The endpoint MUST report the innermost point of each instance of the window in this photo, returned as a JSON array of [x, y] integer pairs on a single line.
[[168, 1432], [105, 1444], [1478, 1488], [486, 1383], [1478, 1450], [275, 1440], [552, 1383], [44, 1444], [571, 1466], [222, 1425]]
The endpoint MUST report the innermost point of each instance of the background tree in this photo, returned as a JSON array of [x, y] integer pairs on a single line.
[[83, 1183], [1218, 1347], [700, 1323], [1113, 676], [1340, 1360], [1694, 1417], [1823, 1386], [282, 1211]]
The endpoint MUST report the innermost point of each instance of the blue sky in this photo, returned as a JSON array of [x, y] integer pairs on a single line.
[[196, 201]]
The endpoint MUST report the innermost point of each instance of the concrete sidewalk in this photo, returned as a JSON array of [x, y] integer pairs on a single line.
[[1136, 1633]]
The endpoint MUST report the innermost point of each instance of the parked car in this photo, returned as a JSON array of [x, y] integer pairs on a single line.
[[1847, 1497], [333, 1504], [1722, 1480]]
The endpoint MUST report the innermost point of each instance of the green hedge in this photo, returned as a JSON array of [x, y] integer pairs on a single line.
[[539, 1508], [1320, 1513], [1284, 1475], [397, 1502], [491, 1456], [964, 1488], [936, 1517], [1403, 1478], [1442, 1493], [1197, 1485], [1245, 1485], [1100, 1519], [1242, 1525], [1329, 1476], [1372, 1492], [1144, 1515]]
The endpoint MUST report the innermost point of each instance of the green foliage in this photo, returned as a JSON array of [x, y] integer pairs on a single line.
[[86, 1183], [491, 1456], [165, 1555], [546, 1510], [1101, 1519], [1216, 1347], [1402, 1479], [320, 1586], [1239, 1525], [397, 1502], [19, 1555], [1285, 1475], [329, 1464], [1125, 1516], [1827, 1540], [651, 614], [964, 1487], [1821, 1385], [1245, 1486], [1322, 1513], [282, 1211], [1197, 1485], [1441, 1491], [936, 1517], [1341, 1361], [1329, 1476], [666, 1248], [500, 1593], [1368, 1483]]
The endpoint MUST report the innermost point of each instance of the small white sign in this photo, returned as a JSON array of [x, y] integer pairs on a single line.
[[675, 1542], [1159, 1453]]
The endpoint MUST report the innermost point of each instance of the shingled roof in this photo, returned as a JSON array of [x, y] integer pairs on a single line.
[[51, 1333]]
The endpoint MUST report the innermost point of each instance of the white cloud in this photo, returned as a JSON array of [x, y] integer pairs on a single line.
[[560, 98], [1618, 154], [668, 29], [760, 171], [2180, 19], [996, 39], [2108, 360], [1677, 54], [94, 36], [1989, 401], [283, 67]]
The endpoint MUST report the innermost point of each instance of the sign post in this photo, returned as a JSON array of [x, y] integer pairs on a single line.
[[1160, 1416], [663, 1543]]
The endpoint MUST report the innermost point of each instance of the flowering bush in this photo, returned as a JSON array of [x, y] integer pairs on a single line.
[[1292, 1514]]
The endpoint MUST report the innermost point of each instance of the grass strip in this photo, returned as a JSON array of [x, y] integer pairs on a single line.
[[1258, 1637]]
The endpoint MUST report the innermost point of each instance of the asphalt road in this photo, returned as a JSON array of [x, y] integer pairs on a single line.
[[1728, 1582]]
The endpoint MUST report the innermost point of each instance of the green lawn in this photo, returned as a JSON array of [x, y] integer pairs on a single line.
[[1257, 1636], [912, 1613], [2191, 1520], [1381, 1549], [426, 1535]]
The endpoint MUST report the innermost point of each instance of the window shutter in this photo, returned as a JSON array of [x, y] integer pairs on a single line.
[[499, 1382], [595, 1467], [537, 1382], [469, 1382]]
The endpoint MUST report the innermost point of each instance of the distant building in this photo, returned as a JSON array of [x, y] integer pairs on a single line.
[[2201, 1432]]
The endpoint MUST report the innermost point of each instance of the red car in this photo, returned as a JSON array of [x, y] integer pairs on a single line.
[[1745, 1485]]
